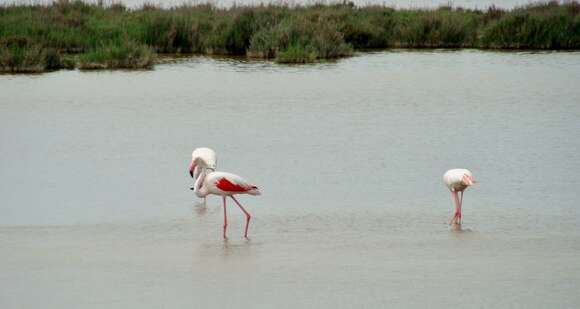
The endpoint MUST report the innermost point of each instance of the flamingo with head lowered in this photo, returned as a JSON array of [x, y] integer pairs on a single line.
[[457, 180], [202, 158], [225, 185]]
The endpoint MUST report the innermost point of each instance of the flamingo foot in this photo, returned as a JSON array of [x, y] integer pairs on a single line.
[[456, 219]]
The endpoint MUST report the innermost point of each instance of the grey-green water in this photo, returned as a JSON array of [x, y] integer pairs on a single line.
[[96, 211]]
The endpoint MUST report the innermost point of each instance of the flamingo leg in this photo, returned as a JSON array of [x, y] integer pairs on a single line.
[[248, 216], [456, 216], [225, 219], [460, 204]]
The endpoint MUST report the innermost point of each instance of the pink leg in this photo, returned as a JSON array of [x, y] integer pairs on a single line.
[[457, 208], [460, 204], [225, 219], [248, 217]]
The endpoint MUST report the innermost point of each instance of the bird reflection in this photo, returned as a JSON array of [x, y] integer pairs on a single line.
[[200, 208], [457, 228]]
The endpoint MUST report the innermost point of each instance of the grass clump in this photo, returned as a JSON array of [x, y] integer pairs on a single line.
[[440, 29], [18, 55], [126, 55], [300, 41], [297, 54]]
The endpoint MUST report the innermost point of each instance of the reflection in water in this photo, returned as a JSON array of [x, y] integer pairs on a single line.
[[231, 247], [458, 228], [200, 208]]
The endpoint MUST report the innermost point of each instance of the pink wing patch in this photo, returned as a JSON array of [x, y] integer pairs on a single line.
[[226, 185]]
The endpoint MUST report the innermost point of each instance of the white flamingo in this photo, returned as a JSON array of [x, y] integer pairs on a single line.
[[201, 159], [224, 184], [457, 180]]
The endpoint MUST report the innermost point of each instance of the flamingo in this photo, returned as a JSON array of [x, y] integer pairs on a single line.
[[457, 180], [225, 185], [202, 158]]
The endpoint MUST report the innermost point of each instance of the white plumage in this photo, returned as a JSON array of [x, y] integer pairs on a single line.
[[222, 184], [457, 180], [202, 158], [207, 156], [453, 178], [208, 181]]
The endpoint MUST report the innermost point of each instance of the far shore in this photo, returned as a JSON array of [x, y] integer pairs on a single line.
[[75, 34]]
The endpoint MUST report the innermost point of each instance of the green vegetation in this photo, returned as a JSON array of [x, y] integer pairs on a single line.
[[123, 55], [68, 34]]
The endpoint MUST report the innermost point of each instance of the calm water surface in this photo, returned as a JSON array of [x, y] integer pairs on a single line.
[[96, 210]]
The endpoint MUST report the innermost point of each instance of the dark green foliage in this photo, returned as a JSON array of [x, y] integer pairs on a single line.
[[305, 38], [442, 28], [19, 55], [35, 37], [547, 26]]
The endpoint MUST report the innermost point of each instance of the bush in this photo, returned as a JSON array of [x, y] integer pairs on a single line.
[[537, 27], [302, 38], [127, 55], [297, 54], [18, 55]]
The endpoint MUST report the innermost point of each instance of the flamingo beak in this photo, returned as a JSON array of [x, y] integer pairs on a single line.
[[468, 180], [191, 167]]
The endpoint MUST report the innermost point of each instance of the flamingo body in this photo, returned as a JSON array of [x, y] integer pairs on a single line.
[[453, 179], [225, 185], [457, 180]]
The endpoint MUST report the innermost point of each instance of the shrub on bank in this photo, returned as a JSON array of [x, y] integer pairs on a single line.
[[18, 55], [127, 55], [547, 26]]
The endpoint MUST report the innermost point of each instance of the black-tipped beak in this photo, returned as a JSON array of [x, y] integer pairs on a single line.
[[191, 174]]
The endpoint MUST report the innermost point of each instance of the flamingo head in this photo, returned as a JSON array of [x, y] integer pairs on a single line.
[[468, 180], [201, 163]]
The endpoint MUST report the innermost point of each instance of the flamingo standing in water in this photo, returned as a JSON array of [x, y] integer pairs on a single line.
[[202, 158], [457, 180], [225, 185]]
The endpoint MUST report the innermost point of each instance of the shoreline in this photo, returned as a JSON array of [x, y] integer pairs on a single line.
[[80, 35]]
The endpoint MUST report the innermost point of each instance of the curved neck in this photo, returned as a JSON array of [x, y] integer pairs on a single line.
[[197, 187]]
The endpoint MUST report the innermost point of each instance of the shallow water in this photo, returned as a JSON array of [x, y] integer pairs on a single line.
[[349, 155]]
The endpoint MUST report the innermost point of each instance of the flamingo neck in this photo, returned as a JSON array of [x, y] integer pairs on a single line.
[[198, 187]]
